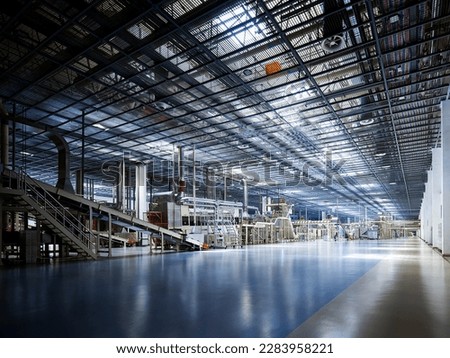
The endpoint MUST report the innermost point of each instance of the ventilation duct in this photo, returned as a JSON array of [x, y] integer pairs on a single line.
[[245, 206], [115, 171], [61, 145], [63, 162], [120, 185], [366, 118], [181, 169], [332, 27]]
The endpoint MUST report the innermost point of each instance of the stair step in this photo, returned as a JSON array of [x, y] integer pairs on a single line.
[[59, 228]]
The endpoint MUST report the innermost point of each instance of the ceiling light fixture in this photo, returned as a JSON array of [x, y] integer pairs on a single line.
[[27, 153], [394, 18], [100, 126], [366, 122]]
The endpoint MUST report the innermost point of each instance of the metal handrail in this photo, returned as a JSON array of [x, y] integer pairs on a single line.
[[53, 207]]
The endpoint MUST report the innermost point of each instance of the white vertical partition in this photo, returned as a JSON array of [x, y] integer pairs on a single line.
[[424, 215], [445, 145], [436, 194], [422, 218], [427, 212]]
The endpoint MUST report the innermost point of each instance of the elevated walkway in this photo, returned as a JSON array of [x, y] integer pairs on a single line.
[[54, 207]]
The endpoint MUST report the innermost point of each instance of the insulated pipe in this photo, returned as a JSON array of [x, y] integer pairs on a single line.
[[120, 186], [332, 22], [181, 162], [332, 27], [366, 117], [181, 181], [141, 191], [245, 206], [204, 201], [162, 193], [79, 182], [115, 170], [63, 162], [61, 144]]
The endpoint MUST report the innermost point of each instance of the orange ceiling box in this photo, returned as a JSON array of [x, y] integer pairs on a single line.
[[273, 67]]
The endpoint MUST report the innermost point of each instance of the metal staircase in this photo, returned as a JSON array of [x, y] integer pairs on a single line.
[[41, 200], [45, 207], [232, 234]]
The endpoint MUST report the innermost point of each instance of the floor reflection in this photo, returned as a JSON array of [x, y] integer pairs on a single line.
[[260, 291]]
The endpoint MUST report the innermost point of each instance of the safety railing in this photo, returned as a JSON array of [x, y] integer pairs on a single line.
[[56, 210]]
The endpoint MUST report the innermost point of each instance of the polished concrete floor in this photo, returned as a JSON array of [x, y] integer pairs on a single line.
[[386, 288]]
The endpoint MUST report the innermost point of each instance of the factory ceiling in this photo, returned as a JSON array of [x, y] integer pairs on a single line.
[[333, 105]]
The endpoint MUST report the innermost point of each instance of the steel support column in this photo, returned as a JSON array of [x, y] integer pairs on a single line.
[[428, 228]]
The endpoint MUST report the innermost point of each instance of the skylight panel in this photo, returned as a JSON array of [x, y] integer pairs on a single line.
[[110, 8], [179, 8], [108, 49], [78, 31], [112, 78], [141, 30], [51, 15]]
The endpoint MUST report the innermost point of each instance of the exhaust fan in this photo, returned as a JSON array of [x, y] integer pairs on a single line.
[[332, 27], [333, 43]]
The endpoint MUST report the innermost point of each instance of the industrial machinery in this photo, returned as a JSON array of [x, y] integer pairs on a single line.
[[207, 222], [273, 225]]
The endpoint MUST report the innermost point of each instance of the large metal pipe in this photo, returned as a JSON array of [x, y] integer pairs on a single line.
[[120, 185], [79, 182], [63, 161], [141, 191], [61, 145], [245, 203], [181, 169], [332, 26], [212, 202], [332, 21]]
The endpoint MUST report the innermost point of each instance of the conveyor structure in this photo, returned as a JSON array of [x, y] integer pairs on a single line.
[[70, 217]]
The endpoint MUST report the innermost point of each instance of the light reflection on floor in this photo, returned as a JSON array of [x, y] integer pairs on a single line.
[[258, 291]]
